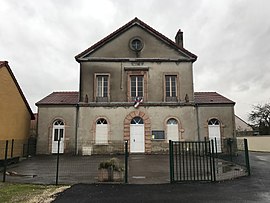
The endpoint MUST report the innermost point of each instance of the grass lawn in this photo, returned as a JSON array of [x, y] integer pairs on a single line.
[[28, 193]]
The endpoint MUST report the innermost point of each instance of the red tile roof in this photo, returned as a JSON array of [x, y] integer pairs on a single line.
[[5, 64], [125, 27], [2, 63], [211, 98], [70, 98]]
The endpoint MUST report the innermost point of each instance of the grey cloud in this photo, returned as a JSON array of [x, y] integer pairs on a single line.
[[231, 38]]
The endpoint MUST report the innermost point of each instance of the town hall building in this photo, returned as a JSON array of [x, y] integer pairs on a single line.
[[136, 85]]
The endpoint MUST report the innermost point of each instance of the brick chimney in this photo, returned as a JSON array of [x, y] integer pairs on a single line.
[[179, 38]]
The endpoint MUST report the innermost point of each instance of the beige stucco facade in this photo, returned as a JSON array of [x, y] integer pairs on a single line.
[[165, 69], [224, 113], [15, 115], [118, 73], [47, 115], [189, 129]]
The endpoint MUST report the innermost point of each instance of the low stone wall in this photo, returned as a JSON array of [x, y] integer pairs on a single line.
[[258, 143]]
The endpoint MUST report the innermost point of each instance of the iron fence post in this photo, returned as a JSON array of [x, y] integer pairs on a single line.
[[5, 162], [12, 148], [28, 149], [57, 162], [126, 161], [231, 156], [213, 159], [215, 146], [171, 161], [247, 156], [205, 146]]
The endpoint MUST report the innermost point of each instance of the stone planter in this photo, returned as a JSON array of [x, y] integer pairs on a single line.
[[108, 175]]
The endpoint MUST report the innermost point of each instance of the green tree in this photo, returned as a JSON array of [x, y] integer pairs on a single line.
[[260, 117]]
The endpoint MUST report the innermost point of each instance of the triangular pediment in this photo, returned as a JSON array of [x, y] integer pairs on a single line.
[[118, 45]]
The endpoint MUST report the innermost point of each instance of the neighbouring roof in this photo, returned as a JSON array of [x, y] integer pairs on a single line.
[[143, 25], [211, 98], [242, 121], [72, 98], [67, 98], [5, 64]]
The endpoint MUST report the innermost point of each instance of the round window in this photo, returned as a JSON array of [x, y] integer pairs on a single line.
[[136, 44]]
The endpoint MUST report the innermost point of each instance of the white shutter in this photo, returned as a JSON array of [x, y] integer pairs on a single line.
[[172, 132], [214, 132], [101, 134]]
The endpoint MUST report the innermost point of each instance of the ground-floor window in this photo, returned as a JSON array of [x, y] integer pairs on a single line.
[[101, 131], [214, 132], [172, 130]]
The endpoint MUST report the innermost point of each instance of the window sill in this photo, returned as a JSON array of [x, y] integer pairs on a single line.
[[159, 140], [101, 144]]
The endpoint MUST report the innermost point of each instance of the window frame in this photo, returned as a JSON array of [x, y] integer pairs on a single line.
[[155, 132], [102, 98], [213, 122], [104, 122], [139, 88], [142, 73], [177, 89]]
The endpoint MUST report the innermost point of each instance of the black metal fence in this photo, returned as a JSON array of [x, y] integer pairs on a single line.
[[189, 161], [60, 168], [93, 165], [192, 161], [17, 148], [233, 162], [201, 161]]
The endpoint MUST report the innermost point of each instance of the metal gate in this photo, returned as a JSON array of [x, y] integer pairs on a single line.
[[192, 161]]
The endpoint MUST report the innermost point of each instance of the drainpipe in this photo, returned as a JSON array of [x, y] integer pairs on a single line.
[[198, 123], [76, 129], [233, 122]]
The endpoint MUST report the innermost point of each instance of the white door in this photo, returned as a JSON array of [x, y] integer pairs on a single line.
[[137, 135], [214, 132], [172, 130], [58, 134]]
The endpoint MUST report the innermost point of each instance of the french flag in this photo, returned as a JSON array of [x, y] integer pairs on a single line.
[[137, 102]]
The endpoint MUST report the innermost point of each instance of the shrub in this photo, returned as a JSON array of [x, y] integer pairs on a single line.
[[112, 164]]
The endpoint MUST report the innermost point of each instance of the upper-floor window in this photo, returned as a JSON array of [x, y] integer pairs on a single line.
[[136, 86], [137, 80], [102, 88], [171, 87]]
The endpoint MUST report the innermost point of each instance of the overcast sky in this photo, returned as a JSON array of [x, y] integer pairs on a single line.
[[231, 38]]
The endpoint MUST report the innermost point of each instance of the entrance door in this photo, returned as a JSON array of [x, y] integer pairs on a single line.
[[214, 132], [58, 133], [137, 135]]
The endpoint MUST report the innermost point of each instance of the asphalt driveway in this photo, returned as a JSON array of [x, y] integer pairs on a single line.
[[255, 188]]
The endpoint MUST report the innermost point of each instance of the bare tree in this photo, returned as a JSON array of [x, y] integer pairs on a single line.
[[260, 117]]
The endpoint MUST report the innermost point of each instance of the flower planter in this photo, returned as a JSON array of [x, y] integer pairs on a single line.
[[110, 171], [108, 175]]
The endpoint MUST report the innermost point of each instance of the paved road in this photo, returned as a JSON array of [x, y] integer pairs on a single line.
[[255, 188]]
